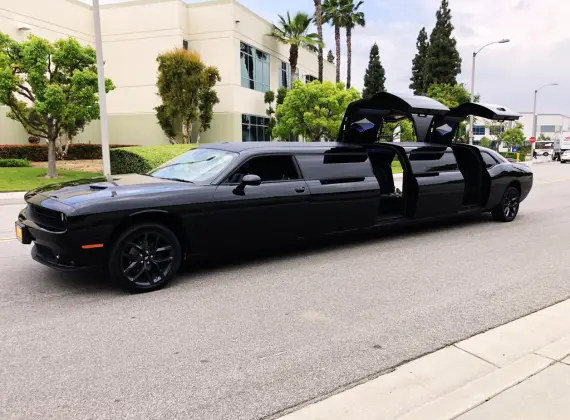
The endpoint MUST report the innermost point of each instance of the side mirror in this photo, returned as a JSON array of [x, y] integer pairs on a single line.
[[251, 180], [248, 180]]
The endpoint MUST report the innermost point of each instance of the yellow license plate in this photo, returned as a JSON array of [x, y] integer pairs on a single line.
[[19, 233]]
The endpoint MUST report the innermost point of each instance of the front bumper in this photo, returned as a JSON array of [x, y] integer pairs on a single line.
[[62, 249], [46, 257]]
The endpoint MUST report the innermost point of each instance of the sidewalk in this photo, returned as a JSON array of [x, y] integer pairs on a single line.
[[10, 198], [520, 370]]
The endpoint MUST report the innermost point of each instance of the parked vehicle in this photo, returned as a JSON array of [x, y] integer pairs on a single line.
[[561, 144], [544, 148], [565, 156], [236, 195]]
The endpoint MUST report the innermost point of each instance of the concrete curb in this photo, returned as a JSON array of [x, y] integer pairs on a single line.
[[458, 378]]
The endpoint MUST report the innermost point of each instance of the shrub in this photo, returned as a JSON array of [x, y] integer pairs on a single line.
[[143, 159], [14, 163], [39, 153]]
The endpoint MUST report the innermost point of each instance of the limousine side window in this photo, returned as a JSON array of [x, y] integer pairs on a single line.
[[424, 161], [348, 167], [269, 168]]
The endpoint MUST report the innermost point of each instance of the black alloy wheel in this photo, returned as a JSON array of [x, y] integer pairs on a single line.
[[508, 208], [145, 257]]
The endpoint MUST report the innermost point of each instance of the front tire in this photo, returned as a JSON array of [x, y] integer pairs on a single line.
[[145, 257], [508, 208]]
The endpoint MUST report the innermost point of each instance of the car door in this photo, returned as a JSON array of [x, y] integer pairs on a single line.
[[345, 194], [273, 210], [440, 184], [498, 175]]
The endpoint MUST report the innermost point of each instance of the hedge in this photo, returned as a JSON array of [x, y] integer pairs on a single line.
[[39, 152], [14, 163], [143, 159]]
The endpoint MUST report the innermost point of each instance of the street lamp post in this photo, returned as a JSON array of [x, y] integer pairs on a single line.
[[534, 118], [502, 41], [102, 93]]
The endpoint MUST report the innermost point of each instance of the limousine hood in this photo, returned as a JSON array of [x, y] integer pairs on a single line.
[[122, 192]]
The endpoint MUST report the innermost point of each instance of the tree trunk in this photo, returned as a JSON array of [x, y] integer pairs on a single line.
[[337, 40], [293, 57], [69, 140], [52, 173], [187, 132], [319, 20], [348, 55]]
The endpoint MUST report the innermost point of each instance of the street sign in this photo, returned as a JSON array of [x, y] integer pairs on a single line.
[[515, 149], [532, 139]]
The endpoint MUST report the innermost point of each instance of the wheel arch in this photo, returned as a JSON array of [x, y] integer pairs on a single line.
[[163, 217], [515, 183]]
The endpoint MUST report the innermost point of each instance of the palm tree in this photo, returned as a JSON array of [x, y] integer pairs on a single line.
[[295, 33], [352, 18], [333, 14], [319, 23]]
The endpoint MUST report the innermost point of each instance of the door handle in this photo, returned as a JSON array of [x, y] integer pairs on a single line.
[[300, 189]]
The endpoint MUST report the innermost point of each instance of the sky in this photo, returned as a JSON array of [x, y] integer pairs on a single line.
[[506, 74]]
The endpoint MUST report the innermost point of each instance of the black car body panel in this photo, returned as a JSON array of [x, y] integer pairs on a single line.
[[303, 189]]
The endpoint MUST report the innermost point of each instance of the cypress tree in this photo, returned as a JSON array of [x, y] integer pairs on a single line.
[[419, 64], [375, 76], [443, 63]]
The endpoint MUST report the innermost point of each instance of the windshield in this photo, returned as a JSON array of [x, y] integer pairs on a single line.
[[196, 166]]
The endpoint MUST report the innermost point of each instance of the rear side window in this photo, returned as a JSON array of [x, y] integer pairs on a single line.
[[490, 161], [337, 166], [432, 159]]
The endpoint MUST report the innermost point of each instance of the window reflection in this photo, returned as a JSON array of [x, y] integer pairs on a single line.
[[255, 68]]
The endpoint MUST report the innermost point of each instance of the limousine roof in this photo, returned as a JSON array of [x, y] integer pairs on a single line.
[[303, 147], [239, 147]]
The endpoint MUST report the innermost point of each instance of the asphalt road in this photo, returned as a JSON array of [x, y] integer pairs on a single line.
[[250, 339]]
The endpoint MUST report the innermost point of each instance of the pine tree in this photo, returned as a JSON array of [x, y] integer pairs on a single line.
[[375, 76], [330, 57], [419, 64], [443, 63]]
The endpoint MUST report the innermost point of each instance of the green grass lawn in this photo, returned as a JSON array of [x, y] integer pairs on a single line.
[[396, 167], [26, 179]]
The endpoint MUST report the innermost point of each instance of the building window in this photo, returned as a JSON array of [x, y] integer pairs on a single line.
[[309, 78], [547, 129], [478, 130], [254, 128], [185, 45], [285, 75], [254, 68]]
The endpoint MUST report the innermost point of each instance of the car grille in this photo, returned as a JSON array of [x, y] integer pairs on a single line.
[[45, 218]]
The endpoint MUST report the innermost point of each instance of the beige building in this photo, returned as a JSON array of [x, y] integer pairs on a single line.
[[225, 34]]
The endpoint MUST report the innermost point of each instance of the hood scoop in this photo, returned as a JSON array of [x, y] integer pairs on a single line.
[[98, 187]]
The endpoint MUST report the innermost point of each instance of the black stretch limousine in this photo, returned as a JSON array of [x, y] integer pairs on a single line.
[[142, 227]]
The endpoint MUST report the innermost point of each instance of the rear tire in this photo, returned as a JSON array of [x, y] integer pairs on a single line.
[[508, 208], [145, 257]]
